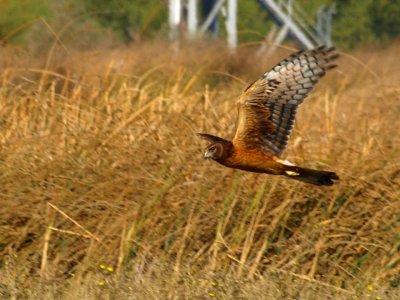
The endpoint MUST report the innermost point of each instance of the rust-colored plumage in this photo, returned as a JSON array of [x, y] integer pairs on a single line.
[[266, 114]]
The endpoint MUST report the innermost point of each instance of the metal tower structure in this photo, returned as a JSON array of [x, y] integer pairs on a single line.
[[296, 23], [186, 12], [286, 15]]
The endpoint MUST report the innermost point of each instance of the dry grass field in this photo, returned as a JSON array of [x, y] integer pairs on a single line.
[[105, 194]]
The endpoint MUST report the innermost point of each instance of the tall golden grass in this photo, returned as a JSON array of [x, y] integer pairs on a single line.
[[100, 165]]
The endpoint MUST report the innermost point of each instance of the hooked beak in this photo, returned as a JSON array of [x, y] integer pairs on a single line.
[[208, 154]]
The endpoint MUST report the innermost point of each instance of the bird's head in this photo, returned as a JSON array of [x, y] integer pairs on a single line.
[[214, 151], [218, 148]]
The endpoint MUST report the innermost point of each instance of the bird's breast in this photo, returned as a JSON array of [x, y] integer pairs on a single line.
[[253, 161]]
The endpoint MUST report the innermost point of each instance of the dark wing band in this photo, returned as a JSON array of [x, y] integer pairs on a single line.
[[267, 108]]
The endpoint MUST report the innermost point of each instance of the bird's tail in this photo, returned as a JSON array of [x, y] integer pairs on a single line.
[[311, 176]]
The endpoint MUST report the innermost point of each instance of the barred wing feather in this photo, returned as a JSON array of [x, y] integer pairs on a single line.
[[267, 108]]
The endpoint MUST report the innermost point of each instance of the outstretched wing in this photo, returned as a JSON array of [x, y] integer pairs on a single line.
[[267, 108]]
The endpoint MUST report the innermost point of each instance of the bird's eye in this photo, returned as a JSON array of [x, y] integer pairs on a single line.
[[212, 148]]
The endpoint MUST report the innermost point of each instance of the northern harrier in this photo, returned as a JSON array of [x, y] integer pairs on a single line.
[[266, 114]]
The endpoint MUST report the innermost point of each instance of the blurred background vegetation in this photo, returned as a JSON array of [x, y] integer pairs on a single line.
[[356, 23]]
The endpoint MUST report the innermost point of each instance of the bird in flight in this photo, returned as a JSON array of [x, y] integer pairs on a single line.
[[266, 114]]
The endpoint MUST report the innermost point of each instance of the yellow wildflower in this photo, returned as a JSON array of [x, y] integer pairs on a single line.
[[110, 269], [102, 283], [102, 266]]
